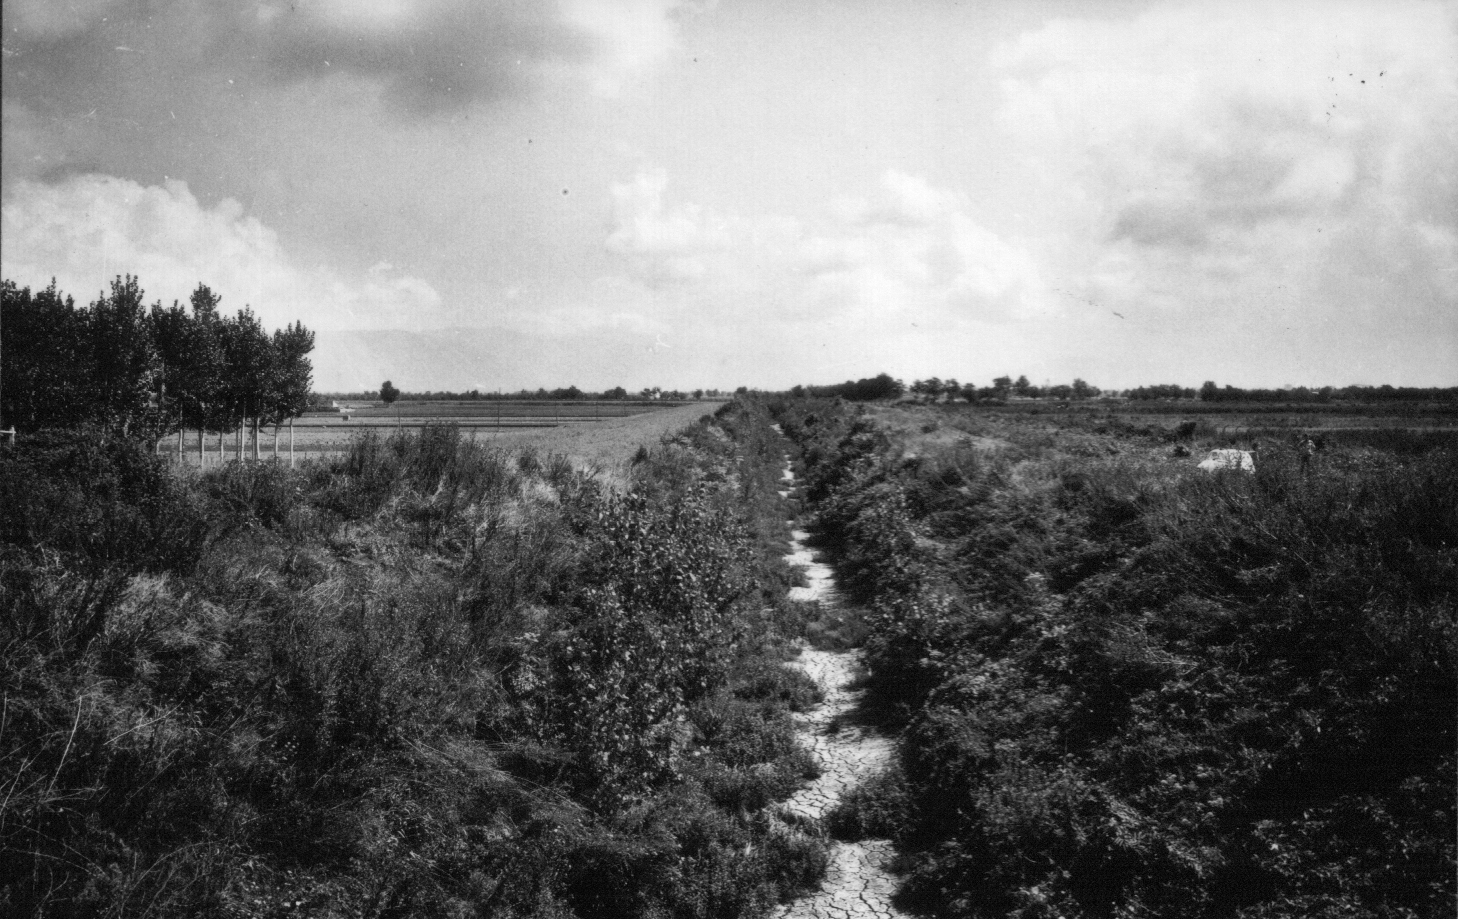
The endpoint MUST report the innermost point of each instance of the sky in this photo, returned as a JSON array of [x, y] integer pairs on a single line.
[[461, 194]]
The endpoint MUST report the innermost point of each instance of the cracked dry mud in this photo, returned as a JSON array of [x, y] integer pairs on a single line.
[[858, 883]]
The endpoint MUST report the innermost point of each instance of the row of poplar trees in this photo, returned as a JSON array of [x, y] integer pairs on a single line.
[[147, 372]]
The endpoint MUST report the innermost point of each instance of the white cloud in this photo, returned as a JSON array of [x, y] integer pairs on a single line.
[[1248, 159], [87, 229], [906, 249], [663, 245], [631, 36], [913, 248]]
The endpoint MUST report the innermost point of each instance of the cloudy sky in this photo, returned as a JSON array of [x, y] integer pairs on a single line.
[[683, 193]]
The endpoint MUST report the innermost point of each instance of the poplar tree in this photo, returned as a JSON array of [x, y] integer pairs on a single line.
[[291, 378], [146, 373], [125, 365]]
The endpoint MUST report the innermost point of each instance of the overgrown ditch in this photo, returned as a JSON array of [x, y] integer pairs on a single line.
[[437, 679], [1127, 688], [858, 882]]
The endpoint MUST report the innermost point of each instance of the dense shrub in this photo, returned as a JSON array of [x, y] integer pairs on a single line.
[[1134, 689], [102, 502], [428, 679]]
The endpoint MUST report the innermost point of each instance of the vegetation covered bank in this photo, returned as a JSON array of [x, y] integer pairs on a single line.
[[429, 679], [1133, 689]]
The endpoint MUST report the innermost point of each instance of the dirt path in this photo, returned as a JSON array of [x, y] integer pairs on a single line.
[[859, 882]]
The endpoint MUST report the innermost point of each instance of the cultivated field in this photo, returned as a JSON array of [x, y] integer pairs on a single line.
[[506, 411], [1238, 417], [600, 434]]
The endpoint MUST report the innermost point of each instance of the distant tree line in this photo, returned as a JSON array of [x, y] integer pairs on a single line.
[[935, 389], [147, 372], [1161, 391], [868, 389], [1210, 392], [1002, 389]]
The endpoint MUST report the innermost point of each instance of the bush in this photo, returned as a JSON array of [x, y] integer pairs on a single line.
[[1150, 691], [426, 679], [102, 502], [879, 808], [262, 494]]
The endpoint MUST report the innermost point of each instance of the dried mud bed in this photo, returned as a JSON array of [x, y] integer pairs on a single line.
[[859, 882]]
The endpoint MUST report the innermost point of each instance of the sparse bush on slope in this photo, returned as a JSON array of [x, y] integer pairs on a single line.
[[1136, 690]]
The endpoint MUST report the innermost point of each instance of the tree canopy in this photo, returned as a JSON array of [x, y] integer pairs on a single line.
[[145, 371]]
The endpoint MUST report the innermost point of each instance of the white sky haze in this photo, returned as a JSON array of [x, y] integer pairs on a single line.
[[461, 193]]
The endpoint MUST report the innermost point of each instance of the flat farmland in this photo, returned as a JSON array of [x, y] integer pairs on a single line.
[[607, 446], [1246, 418], [508, 410], [600, 435]]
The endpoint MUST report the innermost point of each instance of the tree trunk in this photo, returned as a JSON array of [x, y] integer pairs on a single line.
[[291, 443], [275, 441], [179, 444], [238, 441], [255, 438]]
